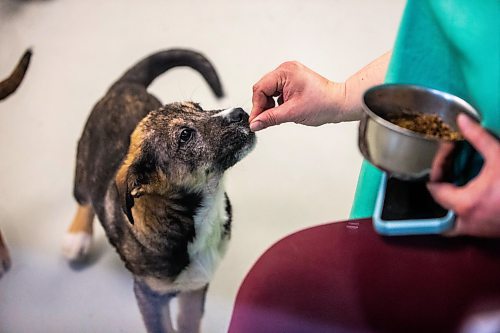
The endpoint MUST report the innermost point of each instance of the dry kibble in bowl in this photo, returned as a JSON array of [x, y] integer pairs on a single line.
[[430, 125]]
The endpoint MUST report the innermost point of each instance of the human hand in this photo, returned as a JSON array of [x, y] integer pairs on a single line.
[[304, 97], [307, 98], [476, 204]]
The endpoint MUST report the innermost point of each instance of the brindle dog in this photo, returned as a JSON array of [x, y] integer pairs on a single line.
[[8, 87], [153, 174]]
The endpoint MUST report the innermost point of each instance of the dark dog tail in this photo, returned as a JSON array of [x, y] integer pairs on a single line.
[[10, 84], [149, 68]]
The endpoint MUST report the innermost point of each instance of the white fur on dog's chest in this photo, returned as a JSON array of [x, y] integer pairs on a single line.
[[207, 249]]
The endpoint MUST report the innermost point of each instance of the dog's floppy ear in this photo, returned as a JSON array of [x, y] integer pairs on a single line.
[[129, 184], [124, 192]]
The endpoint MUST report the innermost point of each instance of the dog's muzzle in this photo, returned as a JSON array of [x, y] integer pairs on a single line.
[[238, 140], [233, 115]]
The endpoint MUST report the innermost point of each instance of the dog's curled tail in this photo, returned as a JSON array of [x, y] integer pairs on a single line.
[[149, 68], [10, 84]]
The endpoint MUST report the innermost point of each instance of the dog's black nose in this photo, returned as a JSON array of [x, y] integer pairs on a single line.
[[237, 115]]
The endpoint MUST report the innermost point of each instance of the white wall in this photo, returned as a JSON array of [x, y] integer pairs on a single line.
[[296, 177]]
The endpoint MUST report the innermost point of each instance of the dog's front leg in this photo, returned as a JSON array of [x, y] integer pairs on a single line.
[[4, 257], [191, 308], [154, 308]]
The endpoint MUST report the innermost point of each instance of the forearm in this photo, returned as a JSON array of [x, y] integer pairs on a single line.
[[310, 99], [354, 87]]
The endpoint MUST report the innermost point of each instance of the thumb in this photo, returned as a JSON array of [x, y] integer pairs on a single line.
[[270, 117]]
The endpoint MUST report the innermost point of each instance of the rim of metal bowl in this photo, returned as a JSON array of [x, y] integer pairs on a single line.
[[469, 109]]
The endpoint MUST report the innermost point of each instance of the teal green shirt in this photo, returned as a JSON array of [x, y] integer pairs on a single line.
[[450, 45]]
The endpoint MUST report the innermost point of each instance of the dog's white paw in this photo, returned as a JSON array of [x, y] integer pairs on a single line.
[[76, 246]]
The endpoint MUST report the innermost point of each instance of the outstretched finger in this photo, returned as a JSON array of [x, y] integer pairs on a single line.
[[271, 117]]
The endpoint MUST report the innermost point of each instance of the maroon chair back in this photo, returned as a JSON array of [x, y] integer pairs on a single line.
[[343, 277]]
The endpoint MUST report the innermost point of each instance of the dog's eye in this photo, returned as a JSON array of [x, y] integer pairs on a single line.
[[186, 135]]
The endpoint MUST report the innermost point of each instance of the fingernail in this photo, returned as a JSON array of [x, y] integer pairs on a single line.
[[256, 125]]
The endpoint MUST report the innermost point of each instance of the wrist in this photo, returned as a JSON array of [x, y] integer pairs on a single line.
[[346, 102], [356, 85]]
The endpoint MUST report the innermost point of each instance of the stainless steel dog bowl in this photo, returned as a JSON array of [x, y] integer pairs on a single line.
[[398, 151]]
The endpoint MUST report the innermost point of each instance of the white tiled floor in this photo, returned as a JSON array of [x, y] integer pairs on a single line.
[[296, 177]]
